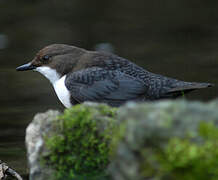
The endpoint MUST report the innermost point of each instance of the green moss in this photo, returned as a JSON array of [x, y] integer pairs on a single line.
[[81, 146], [184, 159], [183, 94], [86, 136]]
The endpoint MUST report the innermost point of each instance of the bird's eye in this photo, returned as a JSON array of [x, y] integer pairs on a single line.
[[45, 58]]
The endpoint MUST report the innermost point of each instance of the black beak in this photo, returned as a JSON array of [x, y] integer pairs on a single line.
[[25, 67]]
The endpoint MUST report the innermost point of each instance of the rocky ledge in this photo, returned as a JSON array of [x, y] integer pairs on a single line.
[[155, 140]]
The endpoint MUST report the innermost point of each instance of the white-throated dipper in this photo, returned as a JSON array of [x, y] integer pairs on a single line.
[[78, 75]]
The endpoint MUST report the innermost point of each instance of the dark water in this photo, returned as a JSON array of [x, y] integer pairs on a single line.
[[177, 38]]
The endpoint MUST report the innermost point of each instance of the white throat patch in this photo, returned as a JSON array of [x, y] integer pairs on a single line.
[[58, 83], [49, 73]]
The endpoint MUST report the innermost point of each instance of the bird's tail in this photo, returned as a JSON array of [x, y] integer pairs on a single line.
[[186, 87]]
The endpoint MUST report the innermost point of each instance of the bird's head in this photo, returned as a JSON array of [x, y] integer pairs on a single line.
[[54, 61]]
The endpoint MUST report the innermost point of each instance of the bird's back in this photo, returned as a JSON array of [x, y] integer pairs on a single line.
[[157, 86]]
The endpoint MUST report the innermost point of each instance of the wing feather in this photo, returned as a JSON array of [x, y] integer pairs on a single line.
[[108, 86]]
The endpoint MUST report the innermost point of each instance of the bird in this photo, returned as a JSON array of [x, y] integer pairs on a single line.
[[80, 75]]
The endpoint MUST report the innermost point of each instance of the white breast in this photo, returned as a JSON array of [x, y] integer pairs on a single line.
[[58, 84], [62, 92]]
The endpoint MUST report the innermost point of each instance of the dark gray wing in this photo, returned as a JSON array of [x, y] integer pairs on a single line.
[[99, 85]]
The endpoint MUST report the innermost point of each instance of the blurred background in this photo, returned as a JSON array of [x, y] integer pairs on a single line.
[[176, 38]]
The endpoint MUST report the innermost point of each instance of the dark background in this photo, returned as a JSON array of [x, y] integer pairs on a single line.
[[176, 38]]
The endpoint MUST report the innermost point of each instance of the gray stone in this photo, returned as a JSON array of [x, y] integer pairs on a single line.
[[146, 125], [153, 124], [41, 124], [44, 125]]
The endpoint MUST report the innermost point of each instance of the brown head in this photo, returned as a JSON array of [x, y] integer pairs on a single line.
[[59, 57]]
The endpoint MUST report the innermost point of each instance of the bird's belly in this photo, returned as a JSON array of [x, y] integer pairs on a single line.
[[62, 92]]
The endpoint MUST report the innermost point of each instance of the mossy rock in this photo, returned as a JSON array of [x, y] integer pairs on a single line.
[[173, 140], [79, 146]]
